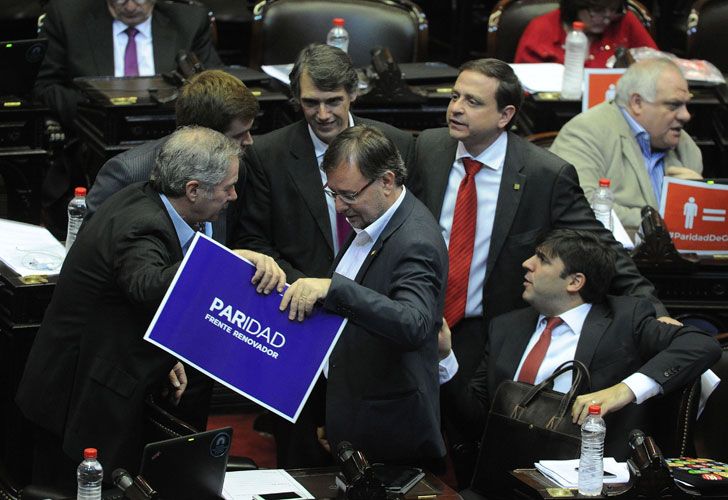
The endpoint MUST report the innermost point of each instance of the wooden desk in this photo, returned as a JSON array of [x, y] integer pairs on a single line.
[[531, 484], [321, 483]]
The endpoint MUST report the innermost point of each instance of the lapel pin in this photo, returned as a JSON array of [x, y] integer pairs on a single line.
[[374, 252], [516, 186]]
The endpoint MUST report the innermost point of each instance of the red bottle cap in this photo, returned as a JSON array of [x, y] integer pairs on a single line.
[[578, 26], [595, 409], [604, 182], [89, 452], [339, 21], [79, 191]]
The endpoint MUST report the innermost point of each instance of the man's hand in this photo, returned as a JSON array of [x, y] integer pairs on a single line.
[[611, 399], [444, 340], [178, 382], [683, 173], [669, 321], [302, 295], [268, 274], [323, 441]]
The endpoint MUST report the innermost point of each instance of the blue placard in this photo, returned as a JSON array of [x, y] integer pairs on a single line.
[[213, 319]]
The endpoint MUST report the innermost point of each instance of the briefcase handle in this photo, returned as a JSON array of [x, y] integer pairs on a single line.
[[580, 373]]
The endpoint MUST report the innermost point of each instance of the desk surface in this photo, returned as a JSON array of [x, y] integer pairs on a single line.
[[321, 484]]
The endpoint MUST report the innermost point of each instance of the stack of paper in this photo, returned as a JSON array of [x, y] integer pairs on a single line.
[[540, 77], [29, 249], [249, 484], [566, 472]]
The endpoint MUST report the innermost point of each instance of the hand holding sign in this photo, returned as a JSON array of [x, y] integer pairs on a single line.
[[302, 295], [268, 275]]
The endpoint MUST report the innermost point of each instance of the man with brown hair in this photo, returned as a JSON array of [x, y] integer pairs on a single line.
[[212, 99]]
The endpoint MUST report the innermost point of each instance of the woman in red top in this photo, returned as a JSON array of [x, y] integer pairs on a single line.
[[607, 24]]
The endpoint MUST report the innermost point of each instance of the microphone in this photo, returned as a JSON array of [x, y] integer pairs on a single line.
[[133, 488], [360, 481]]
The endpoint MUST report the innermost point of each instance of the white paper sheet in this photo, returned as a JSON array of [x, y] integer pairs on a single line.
[[243, 485], [566, 474], [540, 77], [21, 244]]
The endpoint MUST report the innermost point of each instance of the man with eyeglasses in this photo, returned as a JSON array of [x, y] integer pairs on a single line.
[[389, 282], [115, 38], [285, 213], [636, 140]]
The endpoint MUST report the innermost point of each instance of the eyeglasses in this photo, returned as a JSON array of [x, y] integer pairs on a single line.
[[347, 197], [119, 3], [605, 11]]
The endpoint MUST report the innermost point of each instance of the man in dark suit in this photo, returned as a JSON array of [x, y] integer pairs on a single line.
[[89, 369], [631, 356], [284, 212], [382, 391], [89, 38], [494, 194], [212, 99]]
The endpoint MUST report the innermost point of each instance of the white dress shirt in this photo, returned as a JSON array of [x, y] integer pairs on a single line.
[[487, 182], [145, 51], [564, 339], [320, 148], [185, 234]]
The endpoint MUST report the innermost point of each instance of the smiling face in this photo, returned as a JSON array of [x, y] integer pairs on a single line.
[[473, 116], [327, 112], [665, 117]]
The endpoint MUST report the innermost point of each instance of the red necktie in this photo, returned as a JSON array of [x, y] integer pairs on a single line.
[[538, 352], [343, 229], [462, 241], [131, 66]]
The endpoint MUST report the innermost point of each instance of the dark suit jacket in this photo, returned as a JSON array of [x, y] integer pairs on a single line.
[[282, 208], [135, 165], [539, 192], [89, 368], [80, 43], [620, 337], [383, 391]]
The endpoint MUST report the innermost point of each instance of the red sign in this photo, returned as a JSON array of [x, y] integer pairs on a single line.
[[601, 86], [696, 214]]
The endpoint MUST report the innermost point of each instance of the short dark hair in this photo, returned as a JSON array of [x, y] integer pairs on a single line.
[[330, 69], [213, 99], [372, 151], [582, 252], [509, 91], [570, 8]]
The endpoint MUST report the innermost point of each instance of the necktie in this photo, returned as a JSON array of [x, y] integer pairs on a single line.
[[535, 357], [131, 66], [343, 229], [462, 240]]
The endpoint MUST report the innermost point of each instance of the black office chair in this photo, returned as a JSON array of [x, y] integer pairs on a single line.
[[509, 18], [711, 438], [281, 28], [707, 37]]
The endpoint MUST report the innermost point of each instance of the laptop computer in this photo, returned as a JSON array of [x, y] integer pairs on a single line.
[[188, 467], [19, 64]]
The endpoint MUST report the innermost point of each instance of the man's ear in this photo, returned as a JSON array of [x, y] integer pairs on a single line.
[[506, 116], [635, 104], [192, 190], [575, 282], [389, 180]]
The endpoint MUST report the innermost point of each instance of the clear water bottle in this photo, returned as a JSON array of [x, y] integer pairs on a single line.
[[338, 36], [576, 47], [601, 202], [591, 461], [76, 213], [89, 475]]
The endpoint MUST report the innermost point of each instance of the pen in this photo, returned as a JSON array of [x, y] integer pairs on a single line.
[[426, 497]]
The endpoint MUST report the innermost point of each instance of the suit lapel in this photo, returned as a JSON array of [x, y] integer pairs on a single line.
[[441, 159], [515, 343], [595, 325], [304, 171], [164, 42], [513, 182], [100, 38]]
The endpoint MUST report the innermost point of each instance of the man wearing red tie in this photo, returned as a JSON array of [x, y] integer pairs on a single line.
[[494, 194], [631, 355]]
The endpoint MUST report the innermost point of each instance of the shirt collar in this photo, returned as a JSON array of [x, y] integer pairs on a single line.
[[374, 230], [184, 232], [641, 135], [319, 146], [494, 155], [573, 318], [145, 28]]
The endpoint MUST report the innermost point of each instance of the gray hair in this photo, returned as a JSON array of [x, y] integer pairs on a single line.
[[367, 147], [330, 69], [641, 78], [193, 153]]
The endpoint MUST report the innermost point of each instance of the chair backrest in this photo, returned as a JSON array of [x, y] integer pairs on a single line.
[[281, 28], [711, 438], [707, 37], [509, 18]]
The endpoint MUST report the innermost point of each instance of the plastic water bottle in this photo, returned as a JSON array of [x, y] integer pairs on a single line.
[[338, 36], [89, 474], [601, 202], [76, 213], [576, 48], [591, 462]]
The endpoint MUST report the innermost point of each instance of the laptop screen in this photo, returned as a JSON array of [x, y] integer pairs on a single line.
[[19, 64], [188, 467]]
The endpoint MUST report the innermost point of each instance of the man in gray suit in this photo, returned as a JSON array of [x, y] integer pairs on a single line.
[[389, 282], [212, 99], [634, 141]]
